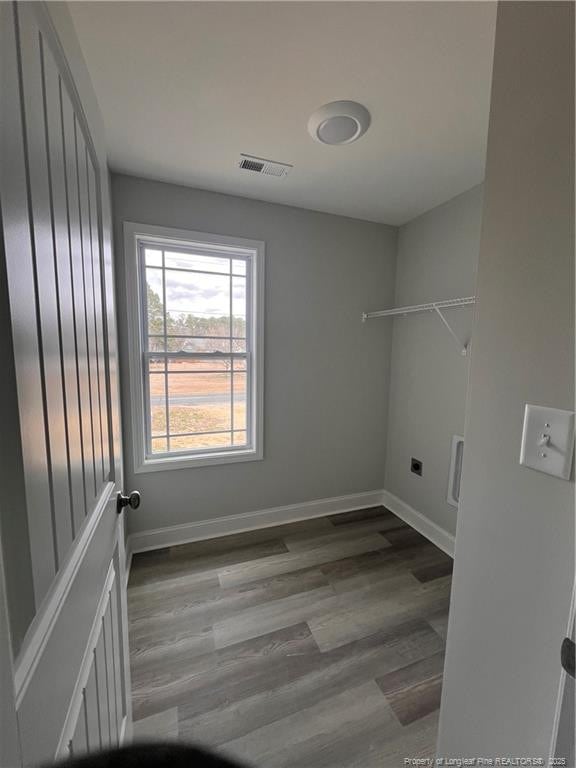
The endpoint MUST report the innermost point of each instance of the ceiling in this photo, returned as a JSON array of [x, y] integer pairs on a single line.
[[185, 87]]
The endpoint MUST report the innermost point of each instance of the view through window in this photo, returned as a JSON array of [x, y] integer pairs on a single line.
[[196, 348]]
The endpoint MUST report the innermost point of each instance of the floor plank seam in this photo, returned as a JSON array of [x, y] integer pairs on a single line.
[[343, 618]]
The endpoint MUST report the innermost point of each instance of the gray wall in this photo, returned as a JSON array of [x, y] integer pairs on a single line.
[[437, 259], [326, 372], [514, 566]]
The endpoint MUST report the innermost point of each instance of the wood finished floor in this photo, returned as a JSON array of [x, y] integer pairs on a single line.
[[301, 646]]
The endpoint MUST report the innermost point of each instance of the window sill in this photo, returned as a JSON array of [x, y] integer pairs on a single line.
[[190, 462]]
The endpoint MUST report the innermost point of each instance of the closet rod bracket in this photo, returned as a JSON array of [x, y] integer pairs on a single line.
[[434, 306], [463, 348]]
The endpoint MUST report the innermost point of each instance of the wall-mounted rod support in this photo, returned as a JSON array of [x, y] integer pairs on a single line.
[[434, 306], [462, 347]]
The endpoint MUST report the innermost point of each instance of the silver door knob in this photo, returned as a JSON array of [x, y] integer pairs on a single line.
[[132, 501]]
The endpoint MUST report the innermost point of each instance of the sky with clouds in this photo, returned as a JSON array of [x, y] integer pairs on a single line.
[[199, 293]]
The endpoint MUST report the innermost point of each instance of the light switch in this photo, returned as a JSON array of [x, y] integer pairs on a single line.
[[548, 440]]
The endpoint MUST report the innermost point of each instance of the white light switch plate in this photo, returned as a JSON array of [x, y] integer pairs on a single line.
[[548, 440]]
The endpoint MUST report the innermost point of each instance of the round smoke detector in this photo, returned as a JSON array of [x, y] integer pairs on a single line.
[[340, 122]]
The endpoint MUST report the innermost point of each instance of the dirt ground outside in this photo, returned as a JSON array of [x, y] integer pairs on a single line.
[[191, 378]]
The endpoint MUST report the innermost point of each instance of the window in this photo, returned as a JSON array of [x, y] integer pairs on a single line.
[[195, 305]]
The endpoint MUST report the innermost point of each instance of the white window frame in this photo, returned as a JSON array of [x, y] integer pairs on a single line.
[[137, 234]]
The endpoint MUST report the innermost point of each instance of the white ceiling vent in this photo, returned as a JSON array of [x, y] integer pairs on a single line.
[[262, 166]]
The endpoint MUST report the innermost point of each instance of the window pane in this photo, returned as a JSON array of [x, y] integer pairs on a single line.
[[154, 301], [196, 442], [239, 438], [199, 402], [239, 327], [198, 304], [239, 307], [239, 267], [156, 364], [159, 445], [153, 257], [155, 343], [190, 324], [196, 261], [239, 364], [239, 401], [157, 404]]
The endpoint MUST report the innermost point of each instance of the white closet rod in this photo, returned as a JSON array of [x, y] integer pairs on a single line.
[[434, 306], [420, 307]]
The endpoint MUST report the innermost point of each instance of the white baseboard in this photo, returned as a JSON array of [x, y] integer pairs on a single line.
[[159, 538], [432, 531], [248, 521]]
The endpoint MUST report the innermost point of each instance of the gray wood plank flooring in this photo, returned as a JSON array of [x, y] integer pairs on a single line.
[[315, 644]]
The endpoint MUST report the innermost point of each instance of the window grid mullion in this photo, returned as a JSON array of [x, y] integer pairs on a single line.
[[196, 434], [166, 405], [190, 373], [145, 344], [195, 271], [200, 451], [231, 365], [200, 355], [191, 336], [250, 435]]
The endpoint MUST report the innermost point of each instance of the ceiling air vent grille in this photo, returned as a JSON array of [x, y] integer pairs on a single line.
[[262, 166]]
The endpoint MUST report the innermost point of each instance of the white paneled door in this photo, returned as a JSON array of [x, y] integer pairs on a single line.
[[63, 647]]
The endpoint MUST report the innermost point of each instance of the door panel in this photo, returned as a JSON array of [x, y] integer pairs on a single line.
[[47, 676], [65, 295], [91, 709], [102, 688], [46, 305], [80, 152], [93, 197], [71, 678], [20, 275], [96, 717], [79, 313], [9, 742], [78, 744]]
